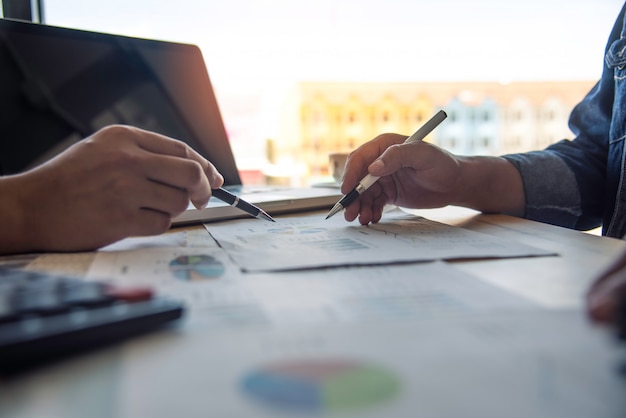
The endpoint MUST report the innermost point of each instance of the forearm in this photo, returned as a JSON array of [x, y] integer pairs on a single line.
[[490, 184], [13, 231]]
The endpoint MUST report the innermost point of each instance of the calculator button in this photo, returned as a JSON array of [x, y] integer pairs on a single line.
[[130, 294], [86, 294], [45, 315]]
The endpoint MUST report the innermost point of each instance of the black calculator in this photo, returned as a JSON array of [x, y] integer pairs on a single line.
[[44, 316]]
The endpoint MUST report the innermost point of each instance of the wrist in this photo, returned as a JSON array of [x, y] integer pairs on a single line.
[[489, 184], [466, 185]]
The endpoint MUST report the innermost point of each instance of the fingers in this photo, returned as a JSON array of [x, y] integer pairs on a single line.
[[607, 294], [163, 198], [382, 157], [368, 207], [605, 300], [180, 174], [385, 155], [160, 144], [148, 222], [178, 165], [417, 155], [359, 160]]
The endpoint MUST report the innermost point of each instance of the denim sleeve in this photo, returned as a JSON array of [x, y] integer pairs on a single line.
[[550, 187], [574, 183], [566, 184]]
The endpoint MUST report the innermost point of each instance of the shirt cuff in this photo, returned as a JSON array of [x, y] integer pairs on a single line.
[[550, 187]]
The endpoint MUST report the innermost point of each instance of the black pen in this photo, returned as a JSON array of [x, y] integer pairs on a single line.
[[368, 180], [234, 200]]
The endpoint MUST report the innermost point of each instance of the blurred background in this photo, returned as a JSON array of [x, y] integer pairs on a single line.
[[298, 80]]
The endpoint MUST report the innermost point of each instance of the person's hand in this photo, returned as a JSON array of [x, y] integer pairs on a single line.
[[422, 175], [418, 174], [120, 182], [608, 293]]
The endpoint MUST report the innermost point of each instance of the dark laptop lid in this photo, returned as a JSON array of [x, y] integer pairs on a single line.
[[59, 85]]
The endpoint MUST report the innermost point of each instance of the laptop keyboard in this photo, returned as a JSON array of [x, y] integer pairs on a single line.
[[44, 316]]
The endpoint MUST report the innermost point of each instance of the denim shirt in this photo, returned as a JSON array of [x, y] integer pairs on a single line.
[[580, 184]]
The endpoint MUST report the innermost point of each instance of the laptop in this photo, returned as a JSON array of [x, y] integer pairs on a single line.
[[60, 85]]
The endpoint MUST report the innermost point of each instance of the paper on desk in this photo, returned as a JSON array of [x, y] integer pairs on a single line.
[[311, 242], [190, 237], [163, 267], [222, 296], [518, 366]]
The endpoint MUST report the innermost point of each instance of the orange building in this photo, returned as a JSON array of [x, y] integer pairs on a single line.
[[483, 117]]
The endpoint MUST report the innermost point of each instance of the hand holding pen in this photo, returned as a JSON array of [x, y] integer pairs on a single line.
[[367, 181]]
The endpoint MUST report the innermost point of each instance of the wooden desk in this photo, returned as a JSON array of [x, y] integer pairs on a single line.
[[545, 361]]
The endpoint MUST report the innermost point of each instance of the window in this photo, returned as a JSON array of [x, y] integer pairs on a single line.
[[250, 60]]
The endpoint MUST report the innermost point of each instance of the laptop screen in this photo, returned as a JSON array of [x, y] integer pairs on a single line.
[[60, 85]]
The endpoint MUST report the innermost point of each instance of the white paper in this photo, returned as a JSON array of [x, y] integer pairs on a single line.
[[312, 242], [215, 291], [520, 365]]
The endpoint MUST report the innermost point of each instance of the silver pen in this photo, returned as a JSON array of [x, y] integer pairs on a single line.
[[368, 180]]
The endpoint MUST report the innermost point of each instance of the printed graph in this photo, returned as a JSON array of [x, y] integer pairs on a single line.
[[196, 267], [337, 244], [297, 230], [321, 386]]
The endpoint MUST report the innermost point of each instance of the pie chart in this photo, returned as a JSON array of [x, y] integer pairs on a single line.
[[321, 386], [196, 267]]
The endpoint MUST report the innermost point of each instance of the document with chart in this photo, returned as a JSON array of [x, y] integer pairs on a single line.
[[305, 242]]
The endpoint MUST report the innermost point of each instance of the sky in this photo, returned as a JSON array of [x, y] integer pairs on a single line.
[[260, 45]]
